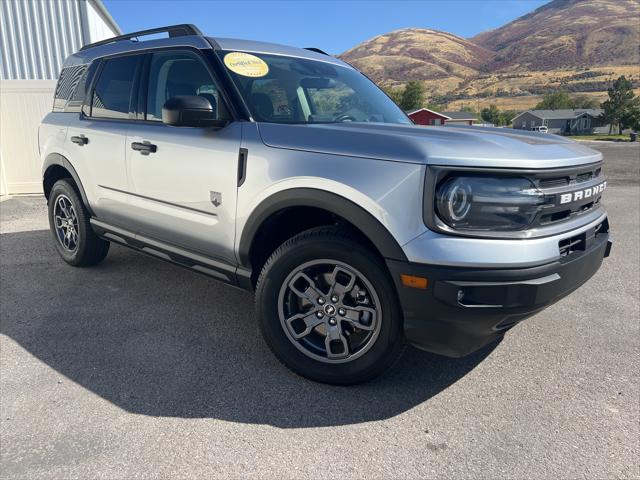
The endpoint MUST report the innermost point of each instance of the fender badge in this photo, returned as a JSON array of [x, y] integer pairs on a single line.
[[216, 198]]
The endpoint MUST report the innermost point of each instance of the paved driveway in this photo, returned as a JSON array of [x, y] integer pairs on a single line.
[[140, 369]]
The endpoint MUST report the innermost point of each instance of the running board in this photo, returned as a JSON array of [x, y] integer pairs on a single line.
[[218, 269]]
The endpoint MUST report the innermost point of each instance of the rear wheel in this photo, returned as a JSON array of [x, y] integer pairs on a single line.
[[73, 236], [328, 309]]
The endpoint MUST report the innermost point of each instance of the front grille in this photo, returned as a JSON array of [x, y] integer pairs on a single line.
[[568, 178], [566, 213], [583, 177], [554, 184]]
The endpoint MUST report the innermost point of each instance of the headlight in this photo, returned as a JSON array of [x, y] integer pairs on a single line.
[[465, 202]]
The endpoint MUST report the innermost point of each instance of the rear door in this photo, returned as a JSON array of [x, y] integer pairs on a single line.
[[185, 187], [96, 137]]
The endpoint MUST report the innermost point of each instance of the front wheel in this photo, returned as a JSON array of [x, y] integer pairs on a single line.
[[328, 309]]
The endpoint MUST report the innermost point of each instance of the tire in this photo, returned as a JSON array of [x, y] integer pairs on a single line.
[[360, 334], [82, 247]]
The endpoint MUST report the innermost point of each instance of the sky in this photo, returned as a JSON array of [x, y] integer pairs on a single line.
[[332, 25]]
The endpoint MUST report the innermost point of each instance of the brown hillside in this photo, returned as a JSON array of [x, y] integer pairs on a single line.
[[576, 45], [568, 33], [417, 54]]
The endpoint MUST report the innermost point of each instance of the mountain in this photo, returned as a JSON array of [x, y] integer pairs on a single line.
[[418, 54], [574, 45], [568, 33]]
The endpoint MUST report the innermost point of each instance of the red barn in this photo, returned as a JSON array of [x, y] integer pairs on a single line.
[[424, 116]]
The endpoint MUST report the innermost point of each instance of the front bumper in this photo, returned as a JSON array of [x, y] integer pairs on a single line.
[[463, 309]]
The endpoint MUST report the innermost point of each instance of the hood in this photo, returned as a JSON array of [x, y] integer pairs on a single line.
[[451, 145]]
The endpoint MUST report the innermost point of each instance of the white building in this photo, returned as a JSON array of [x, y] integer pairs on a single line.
[[36, 36]]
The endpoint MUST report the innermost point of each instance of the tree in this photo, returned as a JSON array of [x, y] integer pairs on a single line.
[[621, 99], [555, 101], [496, 116], [491, 114], [631, 118], [436, 107], [582, 101], [413, 96], [506, 116], [561, 99], [395, 94]]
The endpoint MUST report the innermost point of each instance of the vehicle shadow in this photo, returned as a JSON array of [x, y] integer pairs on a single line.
[[156, 339]]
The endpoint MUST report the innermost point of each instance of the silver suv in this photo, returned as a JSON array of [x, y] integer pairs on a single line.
[[286, 171]]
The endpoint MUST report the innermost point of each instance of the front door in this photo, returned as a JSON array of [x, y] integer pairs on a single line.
[[184, 187]]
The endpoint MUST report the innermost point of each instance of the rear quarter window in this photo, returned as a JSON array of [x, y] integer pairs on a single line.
[[70, 79]]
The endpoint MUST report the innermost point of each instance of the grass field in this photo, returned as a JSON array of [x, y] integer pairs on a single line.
[[609, 138]]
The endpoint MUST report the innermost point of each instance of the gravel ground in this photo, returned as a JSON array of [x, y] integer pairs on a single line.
[[140, 369]]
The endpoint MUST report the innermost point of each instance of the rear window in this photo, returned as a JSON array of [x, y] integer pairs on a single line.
[[112, 94], [70, 78]]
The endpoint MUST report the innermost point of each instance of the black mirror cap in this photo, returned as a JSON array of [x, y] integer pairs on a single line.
[[190, 111]]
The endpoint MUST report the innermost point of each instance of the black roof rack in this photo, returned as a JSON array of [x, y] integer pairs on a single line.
[[180, 30], [317, 50]]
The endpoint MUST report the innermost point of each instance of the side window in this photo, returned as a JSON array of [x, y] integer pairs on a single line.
[[112, 93], [270, 101], [68, 82], [174, 73], [77, 99]]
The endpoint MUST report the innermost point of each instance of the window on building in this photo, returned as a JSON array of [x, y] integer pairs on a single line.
[[585, 123]]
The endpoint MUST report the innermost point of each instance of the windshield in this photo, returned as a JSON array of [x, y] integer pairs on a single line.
[[281, 89]]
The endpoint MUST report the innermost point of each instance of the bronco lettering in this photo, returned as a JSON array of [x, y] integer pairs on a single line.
[[580, 194]]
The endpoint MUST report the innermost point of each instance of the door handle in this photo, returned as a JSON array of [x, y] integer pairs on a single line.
[[80, 140], [145, 148]]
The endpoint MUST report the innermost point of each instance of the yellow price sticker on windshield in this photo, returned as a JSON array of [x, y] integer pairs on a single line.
[[246, 64]]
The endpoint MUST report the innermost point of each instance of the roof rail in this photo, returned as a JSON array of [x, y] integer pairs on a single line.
[[180, 30], [317, 50]]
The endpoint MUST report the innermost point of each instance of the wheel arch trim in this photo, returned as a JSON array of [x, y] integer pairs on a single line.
[[55, 159], [369, 225]]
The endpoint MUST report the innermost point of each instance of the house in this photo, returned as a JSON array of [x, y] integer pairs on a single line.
[[566, 121], [459, 118], [36, 38], [425, 116]]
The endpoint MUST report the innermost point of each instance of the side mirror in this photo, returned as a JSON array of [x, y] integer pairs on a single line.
[[190, 111]]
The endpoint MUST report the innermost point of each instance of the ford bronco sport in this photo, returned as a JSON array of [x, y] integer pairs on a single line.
[[286, 171]]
